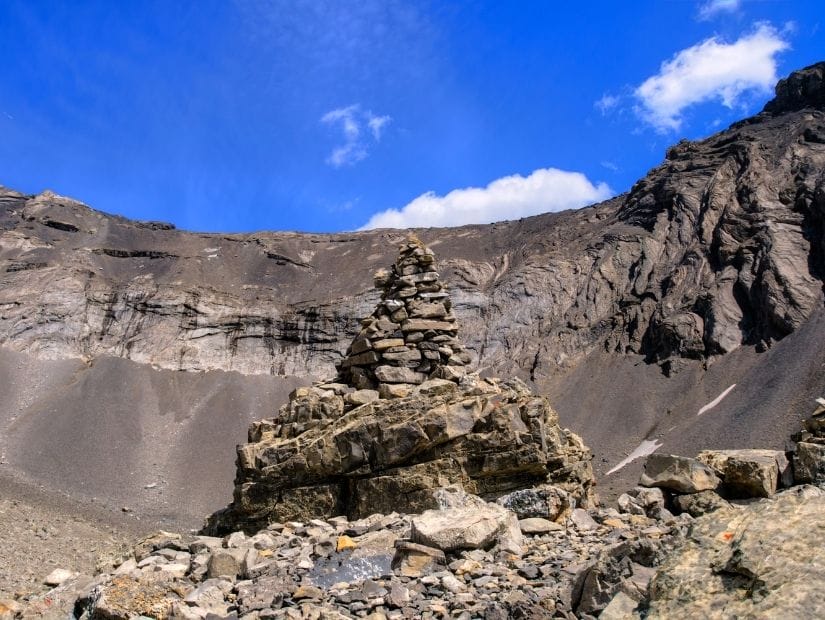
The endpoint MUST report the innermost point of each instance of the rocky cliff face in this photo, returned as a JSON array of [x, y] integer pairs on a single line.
[[721, 245]]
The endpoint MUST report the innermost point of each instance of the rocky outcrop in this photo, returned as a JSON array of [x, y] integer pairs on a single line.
[[342, 448], [809, 451]]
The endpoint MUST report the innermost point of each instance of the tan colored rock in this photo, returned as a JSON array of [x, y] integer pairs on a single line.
[[416, 560], [394, 390], [387, 343], [420, 325], [748, 473], [760, 561]]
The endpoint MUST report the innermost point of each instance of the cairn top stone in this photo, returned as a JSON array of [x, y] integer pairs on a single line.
[[411, 336]]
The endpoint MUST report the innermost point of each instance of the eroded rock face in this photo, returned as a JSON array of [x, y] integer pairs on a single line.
[[749, 473]]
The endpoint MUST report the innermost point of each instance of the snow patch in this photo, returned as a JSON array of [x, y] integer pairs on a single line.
[[648, 446], [716, 400]]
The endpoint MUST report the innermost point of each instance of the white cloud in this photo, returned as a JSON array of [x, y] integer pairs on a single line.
[[376, 125], [712, 8], [607, 103], [710, 70], [350, 120], [507, 198]]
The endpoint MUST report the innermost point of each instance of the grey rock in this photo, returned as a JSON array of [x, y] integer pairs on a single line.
[[678, 473], [809, 463], [698, 504]]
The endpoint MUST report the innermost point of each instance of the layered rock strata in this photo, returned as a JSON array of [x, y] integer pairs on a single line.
[[722, 245], [341, 448]]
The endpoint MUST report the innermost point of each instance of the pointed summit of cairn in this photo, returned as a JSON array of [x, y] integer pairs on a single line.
[[411, 335]]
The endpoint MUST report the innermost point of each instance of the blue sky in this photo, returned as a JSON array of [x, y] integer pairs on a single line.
[[334, 115]]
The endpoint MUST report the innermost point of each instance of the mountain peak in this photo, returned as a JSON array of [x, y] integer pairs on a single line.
[[804, 88]]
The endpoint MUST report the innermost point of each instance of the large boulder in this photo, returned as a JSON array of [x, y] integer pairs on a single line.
[[749, 473], [760, 561], [465, 522], [678, 473]]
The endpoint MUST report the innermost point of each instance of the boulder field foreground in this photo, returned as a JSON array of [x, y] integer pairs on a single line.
[[729, 535]]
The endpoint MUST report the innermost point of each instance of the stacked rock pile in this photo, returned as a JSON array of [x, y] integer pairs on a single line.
[[401, 419], [488, 435], [411, 335]]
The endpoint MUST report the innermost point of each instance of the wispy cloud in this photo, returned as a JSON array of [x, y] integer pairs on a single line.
[[507, 198], [607, 103], [710, 70], [609, 165], [711, 8], [351, 121]]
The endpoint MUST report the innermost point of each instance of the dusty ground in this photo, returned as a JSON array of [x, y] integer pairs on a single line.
[[39, 533]]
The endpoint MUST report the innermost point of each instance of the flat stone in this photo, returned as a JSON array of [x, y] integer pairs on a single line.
[[535, 526], [397, 374], [362, 359], [422, 325], [407, 355], [387, 343], [361, 397]]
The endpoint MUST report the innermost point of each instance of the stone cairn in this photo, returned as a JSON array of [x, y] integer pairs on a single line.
[[403, 418], [411, 335]]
